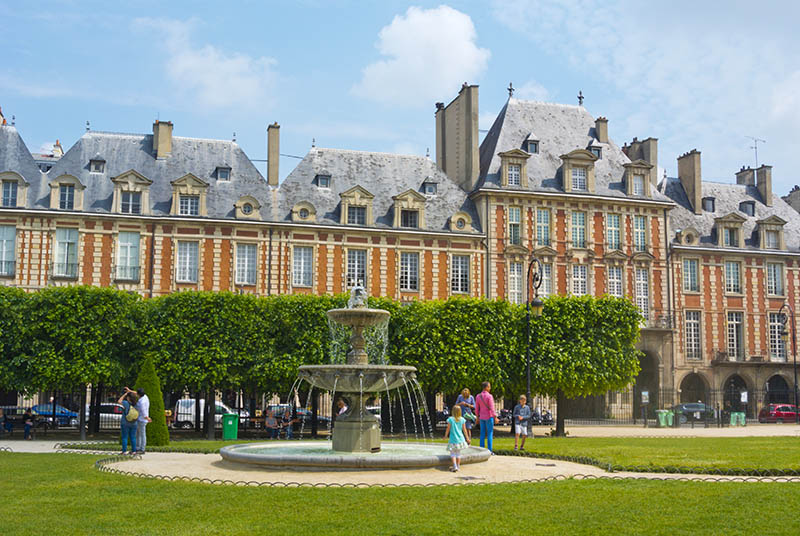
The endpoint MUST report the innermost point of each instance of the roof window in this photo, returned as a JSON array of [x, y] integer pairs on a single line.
[[97, 166], [748, 207], [709, 204], [223, 173], [323, 181], [597, 151], [532, 146]]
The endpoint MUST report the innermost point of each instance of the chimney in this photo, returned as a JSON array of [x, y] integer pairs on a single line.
[[601, 129], [746, 175], [162, 139], [646, 150], [691, 178], [457, 138], [764, 184], [273, 153], [58, 151]]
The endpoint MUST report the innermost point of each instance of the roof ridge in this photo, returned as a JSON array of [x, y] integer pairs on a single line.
[[547, 103], [131, 134], [401, 155]]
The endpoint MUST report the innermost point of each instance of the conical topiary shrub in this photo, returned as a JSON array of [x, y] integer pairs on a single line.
[[157, 433]]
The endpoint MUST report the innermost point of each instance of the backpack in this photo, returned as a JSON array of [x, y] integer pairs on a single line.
[[132, 415]]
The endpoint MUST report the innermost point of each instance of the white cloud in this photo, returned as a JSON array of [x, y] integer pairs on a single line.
[[209, 76], [694, 76], [428, 54], [532, 90]]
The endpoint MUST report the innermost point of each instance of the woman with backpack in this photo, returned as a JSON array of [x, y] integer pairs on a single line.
[[128, 421]]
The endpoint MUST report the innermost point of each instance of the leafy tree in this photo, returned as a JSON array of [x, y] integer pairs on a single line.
[[157, 433], [584, 346], [12, 335]]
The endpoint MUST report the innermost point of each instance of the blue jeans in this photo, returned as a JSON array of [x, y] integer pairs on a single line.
[[128, 432], [487, 431], [141, 435], [28, 431]]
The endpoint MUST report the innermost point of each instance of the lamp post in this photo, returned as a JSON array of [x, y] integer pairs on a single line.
[[534, 282], [785, 337]]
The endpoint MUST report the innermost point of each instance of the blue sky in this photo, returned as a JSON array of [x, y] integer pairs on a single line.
[[366, 75]]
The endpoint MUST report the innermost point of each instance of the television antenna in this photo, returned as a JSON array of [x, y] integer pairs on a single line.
[[755, 141]]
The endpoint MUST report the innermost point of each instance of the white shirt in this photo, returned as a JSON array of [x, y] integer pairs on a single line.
[[143, 407]]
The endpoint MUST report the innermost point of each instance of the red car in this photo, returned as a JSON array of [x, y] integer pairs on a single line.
[[778, 413]]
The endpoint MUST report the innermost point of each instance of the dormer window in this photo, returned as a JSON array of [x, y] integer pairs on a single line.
[[44, 168], [577, 171], [514, 174], [356, 206], [773, 239], [66, 197], [709, 204], [579, 179], [429, 188], [323, 181], [356, 215], [514, 168], [597, 151], [247, 209], [730, 237], [409, 219], [533, 146], [66, 193], [638, 185], [304, 212], [770, 233], [97, 166], [748, 207], [9, 193], [223, 173], [189, 196], [131, 203], [131, 193], [729, 230], [189, 205]]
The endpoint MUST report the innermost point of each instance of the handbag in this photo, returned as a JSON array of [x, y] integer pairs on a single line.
[[132, 415], [470, 416]]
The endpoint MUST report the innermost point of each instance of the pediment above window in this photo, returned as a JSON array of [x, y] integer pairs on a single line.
[[638, 170], [189, 186], [545, 252], [247, 207], [409, 201], [514, 153], [772, 220], [131, 178], [642, 258], [577, 171], [357, 196], [304, 212], [516, 253], [131, 182], [732, 218], [514, 168], [189, 182], [580, 155], [616, 257]]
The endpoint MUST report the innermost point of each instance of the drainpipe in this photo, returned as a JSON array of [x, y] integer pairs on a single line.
[[269, 264]]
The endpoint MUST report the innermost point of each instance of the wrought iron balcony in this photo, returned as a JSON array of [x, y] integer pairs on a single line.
[[64, 270], [7, 268], [126, 273], [658, 320]]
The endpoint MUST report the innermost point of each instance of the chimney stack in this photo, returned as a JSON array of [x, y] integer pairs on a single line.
[[646, 150], [457, 138], [746, 175], [58, 150], [601, 129], [691, 178], [162, 139], [273, 153], [764, 184]]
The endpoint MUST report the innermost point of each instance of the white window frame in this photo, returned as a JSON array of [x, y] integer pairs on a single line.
[[773, 239], [777, 348], [188, 205], [543, 226], [638, 185], [66, 254], [246, 264], [691, 275], [10, 194], [775, 279], [8, 244], [578, 229], [302, 266], [733, 285], [546, 289], [615, 281], [358, 213], [580, 279], [409, 217], [515, 225], [188, 261], [642, 288], [66, 197], [730, 236], [692, 335], [579, 181], [640, 233], [409, 271], [459, 274], [128, 248], [126, 206], [735, 335], [514, 175], [613, 234], [356, 271], [515, 278]]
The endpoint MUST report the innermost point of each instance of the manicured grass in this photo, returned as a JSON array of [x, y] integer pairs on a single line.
[[64, 494]]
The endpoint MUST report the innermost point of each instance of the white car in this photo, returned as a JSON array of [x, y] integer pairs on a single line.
[[110, 414], [184, 416]]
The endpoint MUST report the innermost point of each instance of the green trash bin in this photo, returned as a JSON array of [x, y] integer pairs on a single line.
[[230, 426], [741, 417], [661, 414], [670, 417]]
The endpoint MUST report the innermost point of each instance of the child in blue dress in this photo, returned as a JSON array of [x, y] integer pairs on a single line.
[[456, 430]]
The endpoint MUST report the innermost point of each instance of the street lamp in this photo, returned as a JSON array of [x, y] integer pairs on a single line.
[[534, 282], [785, 337]]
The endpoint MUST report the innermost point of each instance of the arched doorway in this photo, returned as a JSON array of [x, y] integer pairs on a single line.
[[778, 391], [732, 394], [693, 389], [647, 380]]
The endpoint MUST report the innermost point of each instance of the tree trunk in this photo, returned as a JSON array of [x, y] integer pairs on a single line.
[[560, 413], [82, 413], [211, 408], [198, 420]]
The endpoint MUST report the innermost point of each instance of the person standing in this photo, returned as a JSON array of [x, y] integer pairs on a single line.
[[27, 420], [522, 418], [467, 404], [456, 428], [143, 407], [128, 427], [487, 417]]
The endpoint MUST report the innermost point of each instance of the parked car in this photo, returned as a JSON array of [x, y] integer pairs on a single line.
[[693, 411], [779, 413], [64, 416], [110, 414], [184, 414]]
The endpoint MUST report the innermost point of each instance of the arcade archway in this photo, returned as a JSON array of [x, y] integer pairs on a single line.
[[693, 389], [778, 391]]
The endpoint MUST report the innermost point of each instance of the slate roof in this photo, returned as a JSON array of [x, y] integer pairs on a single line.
[[559, 128], [15, 156], [727, 198], [124, 152], [384, 175]]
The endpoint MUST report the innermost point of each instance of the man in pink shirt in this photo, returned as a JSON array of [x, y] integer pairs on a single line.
[[484, 407]]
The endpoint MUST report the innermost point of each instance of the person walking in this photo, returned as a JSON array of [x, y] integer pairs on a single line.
[[522, 418], [143, 407], [467, 403], [456, 428], [127, 426], [487, 417]]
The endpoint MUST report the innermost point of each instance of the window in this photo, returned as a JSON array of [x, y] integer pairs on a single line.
[[643, 291], [430, 188], [189, 205], [708, 204], [66, 264], [775, 279], [459, 278], [44, 168], [579, 282], [735, 336], [579, 178], [409, 218], [692, 331], [513, 174], [732, 279], [187, 262], [460, 223], [246, 264], [612, 224], [542, 226], [514, 225], [615, 281], [773, 239], [356, 267], [579, 229], [304, 213], [356, 215], [131, 203], [533, 146], [9, 193], [731, 237], [247, 209], [324, 181], [66, 199], [409, 271], [8, 235], [748, 207], [302, 266], [97, 166], [640, 233], [638, 185], [597, 151], [128, 256], [546, 289], [515, 282], [777, 348], [223, 174], [690, 281]]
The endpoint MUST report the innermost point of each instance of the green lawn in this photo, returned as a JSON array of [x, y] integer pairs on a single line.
[[64, 494]]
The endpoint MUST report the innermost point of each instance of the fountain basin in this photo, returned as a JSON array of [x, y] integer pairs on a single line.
[[358, 317], [350, 379], [317, 455]]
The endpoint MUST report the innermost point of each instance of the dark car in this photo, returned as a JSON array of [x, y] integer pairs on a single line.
[[110, 414], [64, 417], [778, 413], [693, 411]]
